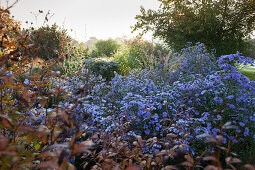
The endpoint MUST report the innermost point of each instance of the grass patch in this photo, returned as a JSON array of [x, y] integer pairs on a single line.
[[248, 71]]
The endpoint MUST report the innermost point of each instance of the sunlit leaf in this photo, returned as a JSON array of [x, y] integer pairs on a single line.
[[37, 146]]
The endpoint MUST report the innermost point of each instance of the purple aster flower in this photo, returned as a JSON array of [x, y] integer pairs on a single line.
[[246, 133], [147, 131], [230, 97], [241, 124], [252, 118], [164, 115], [218, 117], [218, 100], [231, 106]]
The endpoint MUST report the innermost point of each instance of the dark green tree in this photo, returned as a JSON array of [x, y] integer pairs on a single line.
[[52, 40], [220, 24], [105, 48]]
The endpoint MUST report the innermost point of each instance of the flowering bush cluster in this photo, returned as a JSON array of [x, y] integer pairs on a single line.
[[190, 117], [198, 98], [191, 94]]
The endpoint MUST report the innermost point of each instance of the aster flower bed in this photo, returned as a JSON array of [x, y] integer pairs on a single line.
[[221, 94], [201, 97]]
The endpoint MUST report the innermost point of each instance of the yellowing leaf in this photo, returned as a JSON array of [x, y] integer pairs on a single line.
[[44, 139], [37, 146]]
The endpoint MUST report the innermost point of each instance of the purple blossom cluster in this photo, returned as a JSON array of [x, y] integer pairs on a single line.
[[195, 99]]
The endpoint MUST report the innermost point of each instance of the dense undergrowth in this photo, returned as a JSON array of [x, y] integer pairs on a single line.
[[190, 111]]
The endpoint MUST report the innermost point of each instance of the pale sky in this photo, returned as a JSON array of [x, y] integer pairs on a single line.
[[102, 18]]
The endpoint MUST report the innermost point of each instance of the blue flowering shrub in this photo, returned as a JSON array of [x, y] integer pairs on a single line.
[[200, 97]]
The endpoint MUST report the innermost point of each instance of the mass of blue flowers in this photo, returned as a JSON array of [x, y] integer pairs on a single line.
[[200, 96]]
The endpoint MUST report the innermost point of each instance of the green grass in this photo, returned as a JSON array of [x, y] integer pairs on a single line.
[[248, 71]]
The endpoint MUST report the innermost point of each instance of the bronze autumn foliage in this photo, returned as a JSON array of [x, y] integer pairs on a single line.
[[24, 141]]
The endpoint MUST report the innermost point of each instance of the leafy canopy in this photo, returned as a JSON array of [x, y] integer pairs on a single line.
[[220, 24]]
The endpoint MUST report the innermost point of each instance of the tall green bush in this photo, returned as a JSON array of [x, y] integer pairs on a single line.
[[105, 48], [140, 54]]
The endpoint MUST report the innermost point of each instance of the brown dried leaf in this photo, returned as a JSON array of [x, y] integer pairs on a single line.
[[219, 138], [6, 121], [148, 163], [186, 163], [10, 44], [9, 153], [48, 164], [130, 162], [43, 102], [94, 136], [189, 158], [117, 167], [230, 160], [43, 129], [83, 147], [56, 134], [47, 154], [108, 161], [140, 140], [138, 159], [159, 159], [26, 128], [235, 160], [71, 166], [62, 161], [65, 118], [171, 135], [211, 167], [170, 167], [249, 167], [133, 167], [4, 142], [210, 158]]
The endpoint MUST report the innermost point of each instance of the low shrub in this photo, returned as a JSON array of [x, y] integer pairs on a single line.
[[102, 66]]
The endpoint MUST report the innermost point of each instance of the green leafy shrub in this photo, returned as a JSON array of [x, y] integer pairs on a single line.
[[102, 66], [105, 48], [122, 58], [138, 54]]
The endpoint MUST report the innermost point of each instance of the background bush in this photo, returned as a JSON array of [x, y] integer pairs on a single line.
[[51, 41], [102, 66], [105, 48]]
